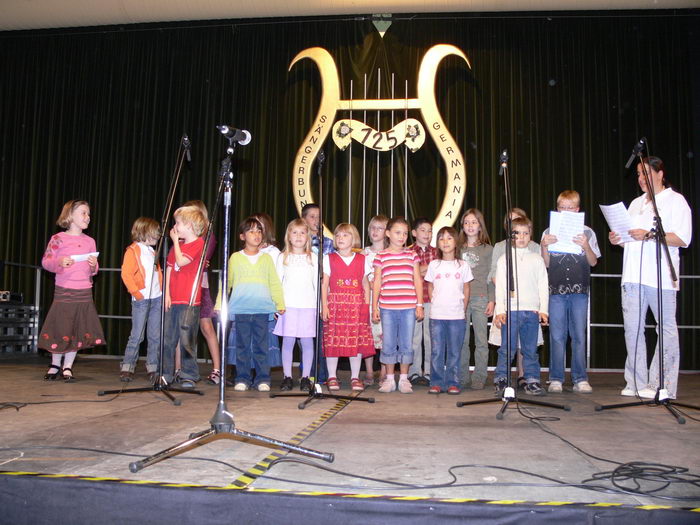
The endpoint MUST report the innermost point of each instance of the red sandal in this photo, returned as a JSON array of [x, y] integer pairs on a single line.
[[333, 383]]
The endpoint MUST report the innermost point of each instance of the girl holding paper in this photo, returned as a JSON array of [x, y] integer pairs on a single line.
[[72, 323]]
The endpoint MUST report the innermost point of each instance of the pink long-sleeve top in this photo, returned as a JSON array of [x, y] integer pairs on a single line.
[[78, 276]]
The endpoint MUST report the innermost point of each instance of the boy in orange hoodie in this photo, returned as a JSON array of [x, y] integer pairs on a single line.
[[139, 277]]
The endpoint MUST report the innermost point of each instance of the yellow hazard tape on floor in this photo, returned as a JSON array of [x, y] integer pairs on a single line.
[[260, 468]]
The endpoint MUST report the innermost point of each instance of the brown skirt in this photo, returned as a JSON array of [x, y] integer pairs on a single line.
[[72, 323]]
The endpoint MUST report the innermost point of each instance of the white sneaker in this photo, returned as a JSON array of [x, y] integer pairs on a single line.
[[263, 387], [405, 386], [555, 387], [582, 387], [647, 393], [240, 387], [627, 391], [388, 385]]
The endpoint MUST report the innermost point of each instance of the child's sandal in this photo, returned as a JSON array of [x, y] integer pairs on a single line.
[[52, 376], [333, 383], [356, 385], [68, 377]]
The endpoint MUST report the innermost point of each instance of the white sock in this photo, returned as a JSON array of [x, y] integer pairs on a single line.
[[332, 365], [403, 376]]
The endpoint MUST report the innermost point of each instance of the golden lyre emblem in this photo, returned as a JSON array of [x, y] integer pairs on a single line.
[[409, 132]]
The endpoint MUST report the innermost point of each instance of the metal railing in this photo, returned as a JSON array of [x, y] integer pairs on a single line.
[[39, 271]]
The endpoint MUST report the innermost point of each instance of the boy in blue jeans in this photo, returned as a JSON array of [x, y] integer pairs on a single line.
[[181, 319], [528, 307], [569, 284]]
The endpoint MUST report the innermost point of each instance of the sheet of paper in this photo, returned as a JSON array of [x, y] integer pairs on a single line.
[[618, 220], [83, 256], [565, 226]]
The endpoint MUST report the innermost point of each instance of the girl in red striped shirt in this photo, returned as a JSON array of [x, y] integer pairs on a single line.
[[398, 286]]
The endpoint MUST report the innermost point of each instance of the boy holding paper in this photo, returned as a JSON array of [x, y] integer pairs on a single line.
[[569, 258]]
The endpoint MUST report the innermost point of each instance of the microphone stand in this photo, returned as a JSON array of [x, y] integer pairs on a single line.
[[509, 393], [159, 383], [316, 390], [222, 424], [661, 398]]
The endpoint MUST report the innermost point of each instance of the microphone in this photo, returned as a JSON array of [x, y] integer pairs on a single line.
[[241, 136], [638, 148], [504, 161], [187, 145]]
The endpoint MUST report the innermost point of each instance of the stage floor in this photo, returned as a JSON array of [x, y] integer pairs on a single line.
[[408, 439]]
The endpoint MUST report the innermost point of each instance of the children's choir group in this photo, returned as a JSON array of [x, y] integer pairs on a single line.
[[413, 305]]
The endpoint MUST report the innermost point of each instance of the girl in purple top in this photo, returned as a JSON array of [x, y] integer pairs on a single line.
[[72, 322]]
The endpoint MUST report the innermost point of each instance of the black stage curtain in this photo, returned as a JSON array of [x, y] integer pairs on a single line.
[[98, 114]]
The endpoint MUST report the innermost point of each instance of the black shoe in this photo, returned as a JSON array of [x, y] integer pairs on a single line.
[[534, 389], [287, 384], [52, 376], [305, 384], [501, 385], [125, 376], [522, 383]]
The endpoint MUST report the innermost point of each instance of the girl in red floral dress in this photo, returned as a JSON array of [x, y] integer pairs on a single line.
[[345, 297]]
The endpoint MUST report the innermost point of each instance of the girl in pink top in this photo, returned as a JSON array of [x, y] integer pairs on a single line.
[[397, 287], [72, 322]]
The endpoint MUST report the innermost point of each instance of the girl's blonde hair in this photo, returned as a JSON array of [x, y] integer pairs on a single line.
[[379, 218], [348, 228], [483, 232], [145, 228], [296, 223], [64, 219]]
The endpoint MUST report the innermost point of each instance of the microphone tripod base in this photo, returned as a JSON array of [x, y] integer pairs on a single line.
[[159, 385]]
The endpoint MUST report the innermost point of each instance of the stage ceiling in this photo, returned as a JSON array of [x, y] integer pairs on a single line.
[[43, 14]]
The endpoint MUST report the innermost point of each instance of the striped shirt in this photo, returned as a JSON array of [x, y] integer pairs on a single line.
[[398, 291]]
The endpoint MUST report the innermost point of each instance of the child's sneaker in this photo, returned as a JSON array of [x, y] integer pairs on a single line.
[[405, 386], [263, 387], [287, 384], [582, 387], [434, 390], [388, 385], [240, 387], [453, 390], [534, 389], [215, 377], [305, 384], [555, 387]]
